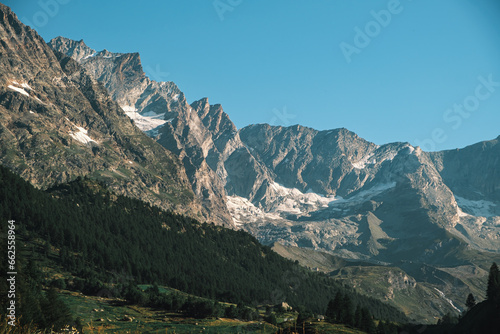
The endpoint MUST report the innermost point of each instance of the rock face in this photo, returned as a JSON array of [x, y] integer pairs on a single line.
[[435, 216], [161, 110], [473, 175], [57, 122], [361, 185], [326, 190]]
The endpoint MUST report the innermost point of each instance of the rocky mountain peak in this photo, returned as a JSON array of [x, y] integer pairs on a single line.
[[58, 122], [290, 176], [10, 21], [214, 119], [75, 49], [161, 109]]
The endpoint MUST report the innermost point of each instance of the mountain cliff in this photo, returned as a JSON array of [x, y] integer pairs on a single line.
[[433, 215], [57, 122], [154, 106]]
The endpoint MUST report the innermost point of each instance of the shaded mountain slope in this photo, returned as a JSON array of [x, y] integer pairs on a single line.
[[57, 122]]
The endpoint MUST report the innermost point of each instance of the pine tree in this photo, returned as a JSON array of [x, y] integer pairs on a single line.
[[357, 317], [56, 313], [272, 319], [334, 310], [330, 311], [493, 289], [381, 328], [346, 311], [367, 323], [470, 302]]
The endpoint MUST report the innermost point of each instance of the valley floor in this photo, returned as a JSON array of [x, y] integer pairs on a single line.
[[111, 315]]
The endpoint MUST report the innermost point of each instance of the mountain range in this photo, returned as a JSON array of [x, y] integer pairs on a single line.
[[401, 224]]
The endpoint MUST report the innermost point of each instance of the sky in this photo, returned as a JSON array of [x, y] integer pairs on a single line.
[[425, 72]]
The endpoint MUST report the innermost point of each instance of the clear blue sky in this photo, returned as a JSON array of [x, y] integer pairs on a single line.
[[266, 61]]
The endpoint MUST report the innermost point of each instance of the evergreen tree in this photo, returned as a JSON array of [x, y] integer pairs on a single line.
[[381, 328], [218, 310], [232, 313], [357, 317], [346, 311], [272, 319], [303, 316], [493, 289], [134, 295], [367, 323], [329, 313], [56, 313], [332, 313], [470, 302]]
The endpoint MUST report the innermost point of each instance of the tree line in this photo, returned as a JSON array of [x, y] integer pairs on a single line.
[[98, 234]]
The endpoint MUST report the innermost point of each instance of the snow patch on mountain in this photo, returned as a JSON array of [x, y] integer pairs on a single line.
[[367, 160], [479, 208], [243, 211], [364, 195], [89, 56], [81, 136], [19, 90], [292, 199], [145, 122], [23, 85], [382, 154], [284, 201], [281, 202], [129, 108]]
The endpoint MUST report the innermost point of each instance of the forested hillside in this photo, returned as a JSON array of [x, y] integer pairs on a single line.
[[97, 233]]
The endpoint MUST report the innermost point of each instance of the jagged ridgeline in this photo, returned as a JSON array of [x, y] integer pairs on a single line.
[[57, 123], [97, 232]]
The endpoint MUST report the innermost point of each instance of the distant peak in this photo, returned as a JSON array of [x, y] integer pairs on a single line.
[[74, 49], [203, 101], [61, 39]]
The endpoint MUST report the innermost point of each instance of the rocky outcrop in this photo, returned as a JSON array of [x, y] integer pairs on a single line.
[[57, 122], [472, 172], [177, 128], [326, 190], [76, 48]]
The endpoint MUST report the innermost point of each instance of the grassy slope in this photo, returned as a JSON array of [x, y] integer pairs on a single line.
[[420, 301], [148, 320]]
